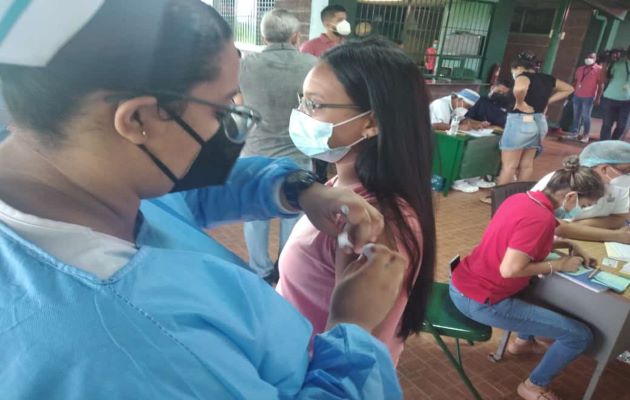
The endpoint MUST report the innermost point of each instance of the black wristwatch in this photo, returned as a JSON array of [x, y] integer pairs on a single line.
[[295, 183]]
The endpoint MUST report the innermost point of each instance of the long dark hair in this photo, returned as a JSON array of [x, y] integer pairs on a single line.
[[137, 47], [396, 163]]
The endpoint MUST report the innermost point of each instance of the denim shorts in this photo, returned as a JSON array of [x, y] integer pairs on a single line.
[[522, 134]]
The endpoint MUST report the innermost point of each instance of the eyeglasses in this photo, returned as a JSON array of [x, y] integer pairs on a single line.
[[308, 106], [238, 121]]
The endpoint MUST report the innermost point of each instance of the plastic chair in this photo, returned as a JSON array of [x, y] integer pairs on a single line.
[[444, 319], [497, 195]]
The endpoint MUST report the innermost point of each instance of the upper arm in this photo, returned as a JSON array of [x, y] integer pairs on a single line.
[[342, 259], [512, 262], [439, 113], [530, 236]]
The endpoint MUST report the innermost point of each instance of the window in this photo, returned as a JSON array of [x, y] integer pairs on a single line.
[[459, 27], [533, 20], [244, 17]]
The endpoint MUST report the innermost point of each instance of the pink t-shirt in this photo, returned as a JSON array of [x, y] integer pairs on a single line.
[[307, 275]]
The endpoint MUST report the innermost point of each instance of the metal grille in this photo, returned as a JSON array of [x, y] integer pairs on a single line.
[[244, 17], [460, 27]]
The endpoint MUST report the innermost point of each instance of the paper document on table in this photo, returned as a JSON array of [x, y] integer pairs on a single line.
[[617, 283], [617, 250], [479, 132], [626, 269]]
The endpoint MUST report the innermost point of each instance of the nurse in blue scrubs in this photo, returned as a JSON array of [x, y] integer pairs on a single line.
[[124, 148]]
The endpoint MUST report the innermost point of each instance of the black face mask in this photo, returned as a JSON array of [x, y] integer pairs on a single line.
[[212, 165]]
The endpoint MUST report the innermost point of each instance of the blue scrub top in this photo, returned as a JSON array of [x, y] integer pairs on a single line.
[[180, 321]]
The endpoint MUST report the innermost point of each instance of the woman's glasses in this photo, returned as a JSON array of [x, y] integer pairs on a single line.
[[308, 106], [238, 121]]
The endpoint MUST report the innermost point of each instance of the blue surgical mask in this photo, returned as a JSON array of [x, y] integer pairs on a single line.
[[311, 136], [562, 213]]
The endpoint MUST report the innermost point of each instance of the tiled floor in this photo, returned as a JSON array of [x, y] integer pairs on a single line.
[[424, 371]]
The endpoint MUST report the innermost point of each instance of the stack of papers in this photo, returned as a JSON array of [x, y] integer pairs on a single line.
[[581, 278], [617, 283], [619, 251]]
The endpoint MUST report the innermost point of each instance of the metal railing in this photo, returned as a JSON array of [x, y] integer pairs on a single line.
[[244, 17], [460, 28]]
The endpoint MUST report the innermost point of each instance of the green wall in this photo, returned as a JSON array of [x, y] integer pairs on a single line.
[[623, 34], [498, 36]]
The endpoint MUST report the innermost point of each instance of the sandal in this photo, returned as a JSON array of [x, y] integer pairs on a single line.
[[529, 392]]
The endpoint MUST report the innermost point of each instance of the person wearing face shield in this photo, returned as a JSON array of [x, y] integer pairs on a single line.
[[124, 146], [605, 220], [449, 110], [336, 25], [513, 249], [455, 105]]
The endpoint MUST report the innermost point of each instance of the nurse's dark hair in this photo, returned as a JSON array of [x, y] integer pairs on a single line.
[[395, 165], [525, 60], [134, 47], [572, 176]]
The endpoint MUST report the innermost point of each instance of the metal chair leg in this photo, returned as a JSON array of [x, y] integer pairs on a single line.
[[458, 352], [498, 355], [457, 365]]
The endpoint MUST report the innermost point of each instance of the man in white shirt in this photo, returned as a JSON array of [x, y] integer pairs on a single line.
[[606, 220], [442, 110]]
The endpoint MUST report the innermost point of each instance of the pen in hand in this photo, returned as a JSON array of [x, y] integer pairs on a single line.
[[595, 271]]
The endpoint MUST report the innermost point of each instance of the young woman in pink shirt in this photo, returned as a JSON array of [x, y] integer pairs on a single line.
[[365, 109]]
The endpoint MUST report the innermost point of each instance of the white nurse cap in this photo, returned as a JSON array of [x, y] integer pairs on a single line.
[[33, 31]]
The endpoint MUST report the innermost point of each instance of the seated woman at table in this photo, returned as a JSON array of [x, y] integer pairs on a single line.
[[512, 250], [366, 103]]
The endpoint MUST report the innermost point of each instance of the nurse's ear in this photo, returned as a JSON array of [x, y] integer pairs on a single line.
[[131, 116], [370, 128]]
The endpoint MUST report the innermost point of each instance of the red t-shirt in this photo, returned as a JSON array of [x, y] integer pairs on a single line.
[[524, 222], [317, 45], [587, 79]]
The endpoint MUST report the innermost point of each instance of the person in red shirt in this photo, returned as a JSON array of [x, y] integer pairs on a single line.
[[514, 248], [588, 85], [430, 57], [334, 18]]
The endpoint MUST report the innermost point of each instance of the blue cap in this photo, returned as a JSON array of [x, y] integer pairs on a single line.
[[468, 95], [606, 152]]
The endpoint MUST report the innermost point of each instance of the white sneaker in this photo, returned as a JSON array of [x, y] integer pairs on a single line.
[[464, 186], [483, 184], [480, 183], [584, 139]]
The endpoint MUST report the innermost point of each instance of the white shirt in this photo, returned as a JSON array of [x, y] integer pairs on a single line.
[[441, 110], [615, 201], [97, 253]]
